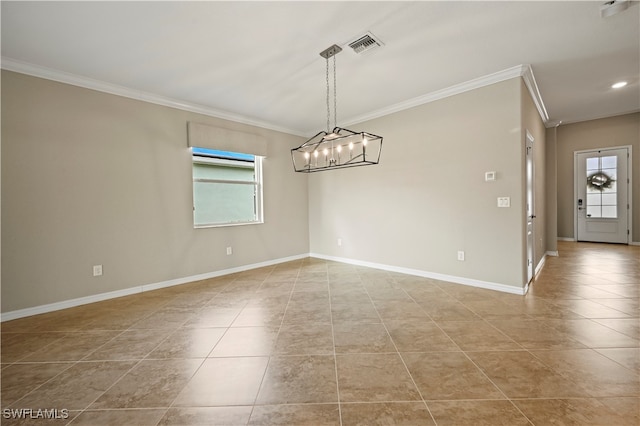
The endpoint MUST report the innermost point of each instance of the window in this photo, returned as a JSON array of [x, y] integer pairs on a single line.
[[227, 188], [601, 187]]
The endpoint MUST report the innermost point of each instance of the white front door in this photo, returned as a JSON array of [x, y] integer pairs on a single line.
[[602, 198]]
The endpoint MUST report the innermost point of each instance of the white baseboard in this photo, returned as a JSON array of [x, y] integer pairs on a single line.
[[426, 274], [36, 310], [632, 243], [42, 309], [540, 265], [215, 274]]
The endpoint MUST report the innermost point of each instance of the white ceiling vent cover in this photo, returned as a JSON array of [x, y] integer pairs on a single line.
[[366, 43]]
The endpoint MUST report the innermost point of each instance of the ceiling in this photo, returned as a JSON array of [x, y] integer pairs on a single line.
[[259, 62]]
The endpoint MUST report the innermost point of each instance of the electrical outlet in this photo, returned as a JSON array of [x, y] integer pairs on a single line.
[[339, 242], [504, 201], [97, 270], [460, 255], [229, 251]]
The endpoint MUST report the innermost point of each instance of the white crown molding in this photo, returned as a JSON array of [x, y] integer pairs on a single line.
[[114, 89], [426, 274], [530, 82], [523, 71], [51, 307]]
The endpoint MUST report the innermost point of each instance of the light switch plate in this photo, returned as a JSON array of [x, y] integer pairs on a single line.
[[97, 270], [504, 202], [489, 176]]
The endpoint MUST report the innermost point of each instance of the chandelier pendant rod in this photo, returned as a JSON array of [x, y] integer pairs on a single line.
[[328, 107], [335, 94]]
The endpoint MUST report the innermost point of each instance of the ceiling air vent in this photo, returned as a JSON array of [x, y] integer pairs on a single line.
[[366, 43]]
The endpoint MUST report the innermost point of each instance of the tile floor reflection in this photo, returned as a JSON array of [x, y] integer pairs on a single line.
[[314, 342]]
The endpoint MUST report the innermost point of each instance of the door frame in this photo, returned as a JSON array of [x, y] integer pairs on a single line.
[[530, 187], [629, 188]]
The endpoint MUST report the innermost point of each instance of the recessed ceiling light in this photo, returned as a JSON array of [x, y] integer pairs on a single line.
[[619, 85]]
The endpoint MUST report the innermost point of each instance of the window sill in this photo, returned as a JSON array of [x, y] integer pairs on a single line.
[[224, 225]]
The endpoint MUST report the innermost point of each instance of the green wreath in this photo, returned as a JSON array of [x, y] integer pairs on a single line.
[[599, 181]]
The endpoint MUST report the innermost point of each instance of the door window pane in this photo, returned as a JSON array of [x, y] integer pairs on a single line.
[[594, 199], [609, 199], [612, 189], [594, 211], [593, 163], [601, 187], [609, 162], [609, 212]]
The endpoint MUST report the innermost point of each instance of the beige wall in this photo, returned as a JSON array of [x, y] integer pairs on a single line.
[[551, 196], [428, 198], [90, 178], [607, 132]]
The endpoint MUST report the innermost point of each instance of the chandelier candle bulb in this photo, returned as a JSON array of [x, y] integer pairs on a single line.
[[364, 148]]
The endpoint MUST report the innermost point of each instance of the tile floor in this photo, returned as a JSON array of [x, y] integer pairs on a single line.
[[316, 343]]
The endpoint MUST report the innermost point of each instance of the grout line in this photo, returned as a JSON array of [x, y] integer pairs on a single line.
[[398, 352], [469, 358], [129, 371], [141, 360], [497, 387], [335, 355], [275, 341]]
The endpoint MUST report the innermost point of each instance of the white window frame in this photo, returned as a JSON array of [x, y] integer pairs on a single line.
[[257, 183]]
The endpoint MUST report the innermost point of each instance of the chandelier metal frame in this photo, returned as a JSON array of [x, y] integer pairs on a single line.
[[336, 148]]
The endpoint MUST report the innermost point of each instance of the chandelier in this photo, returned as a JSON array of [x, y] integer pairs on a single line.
[[337, 148]]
